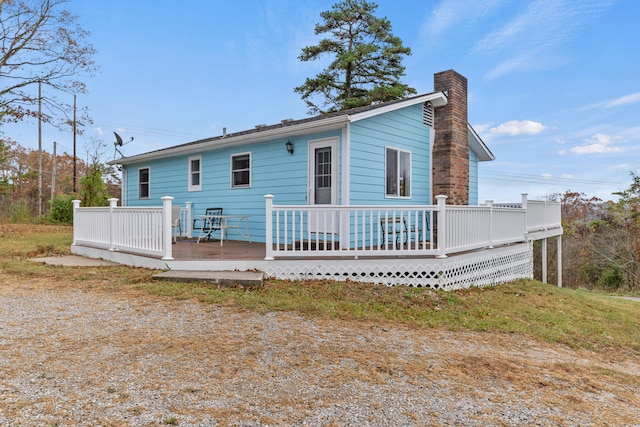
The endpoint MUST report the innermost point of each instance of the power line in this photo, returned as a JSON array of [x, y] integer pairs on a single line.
[[153, 132], [538, 179]]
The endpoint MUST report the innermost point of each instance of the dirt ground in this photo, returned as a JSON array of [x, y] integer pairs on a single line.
[[99, 356]]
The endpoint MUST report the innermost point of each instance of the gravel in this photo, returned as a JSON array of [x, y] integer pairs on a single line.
[[97, 358]]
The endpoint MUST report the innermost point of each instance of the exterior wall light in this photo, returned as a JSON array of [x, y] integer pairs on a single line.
[[289, 147]]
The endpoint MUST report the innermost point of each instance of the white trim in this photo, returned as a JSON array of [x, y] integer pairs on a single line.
[[345, 175], [478, 146], [432, 140], [324, 142], [397, 196], [437, 99], [124, 200], [236, 187], [190, 186]]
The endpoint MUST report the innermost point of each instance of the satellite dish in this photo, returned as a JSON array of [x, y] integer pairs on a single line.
[[119, 143], [118, 140]]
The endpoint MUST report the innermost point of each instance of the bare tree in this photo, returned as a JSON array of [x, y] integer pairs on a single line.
[[41, 43]]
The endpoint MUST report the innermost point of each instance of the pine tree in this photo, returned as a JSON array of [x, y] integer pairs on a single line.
[[368, 60]]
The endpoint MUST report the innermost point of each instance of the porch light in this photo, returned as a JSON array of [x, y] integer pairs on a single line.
[[289, 147]]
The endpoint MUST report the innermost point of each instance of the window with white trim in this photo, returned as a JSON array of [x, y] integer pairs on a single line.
[[398, 173], [241, 170], [195, 173], [143, 183]]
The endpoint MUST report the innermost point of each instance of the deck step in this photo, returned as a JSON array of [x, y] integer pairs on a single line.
[[222, 278]]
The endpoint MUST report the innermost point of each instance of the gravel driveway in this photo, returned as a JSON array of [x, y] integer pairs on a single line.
[[99, 358]]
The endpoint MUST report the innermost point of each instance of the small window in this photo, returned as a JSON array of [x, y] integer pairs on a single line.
[[195, 173], [143, 183], [398, 173], [241, 170]]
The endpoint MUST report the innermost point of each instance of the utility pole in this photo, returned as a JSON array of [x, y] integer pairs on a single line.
[[53, 174], [74, 143], [39, 148]]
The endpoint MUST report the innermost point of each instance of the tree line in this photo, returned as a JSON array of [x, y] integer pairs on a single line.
[[601, 241], [19, 183]]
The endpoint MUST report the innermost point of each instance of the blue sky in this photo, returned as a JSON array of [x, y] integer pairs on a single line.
[[554, 85]]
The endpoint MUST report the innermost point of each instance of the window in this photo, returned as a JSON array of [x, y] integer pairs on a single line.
[[398, 179], [143, 183], [241, 170], [195, 173]]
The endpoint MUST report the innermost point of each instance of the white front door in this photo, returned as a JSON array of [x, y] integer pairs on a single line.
[[323, 183]]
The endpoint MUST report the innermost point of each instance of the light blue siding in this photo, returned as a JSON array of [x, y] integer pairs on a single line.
[[402, 129], [273, 171], [473, 178]]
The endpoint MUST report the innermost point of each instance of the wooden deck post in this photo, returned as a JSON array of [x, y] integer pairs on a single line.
[[166, 227]]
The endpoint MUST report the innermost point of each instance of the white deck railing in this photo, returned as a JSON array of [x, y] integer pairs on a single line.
[[436, 230], [140, 230], [326, 231]]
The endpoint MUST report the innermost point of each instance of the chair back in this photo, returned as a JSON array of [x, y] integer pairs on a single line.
[[175, 215], [214, 211]]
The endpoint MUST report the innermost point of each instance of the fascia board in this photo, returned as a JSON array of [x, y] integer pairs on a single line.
[[437, 99], [478, 146], [322, 125]]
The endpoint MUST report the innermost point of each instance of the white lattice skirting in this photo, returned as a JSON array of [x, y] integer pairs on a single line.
[[482, 268]]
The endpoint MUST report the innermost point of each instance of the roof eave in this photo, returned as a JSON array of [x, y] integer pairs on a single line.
[[437, 99], [478, 146], [292, 130]]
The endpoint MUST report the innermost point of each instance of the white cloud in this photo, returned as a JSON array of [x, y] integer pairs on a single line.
[[482, 128], [531, 35], [99, 130], [624, 100], [597, 144], [519, 127]]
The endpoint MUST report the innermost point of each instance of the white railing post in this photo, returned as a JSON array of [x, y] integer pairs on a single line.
[[269, 226], [489, 203], [113, 203], [441, 237], [526, 213], [76, 206], [166, 227], [188, 219]]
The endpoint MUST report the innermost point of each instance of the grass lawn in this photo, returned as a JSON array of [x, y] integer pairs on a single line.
[[577, 318]]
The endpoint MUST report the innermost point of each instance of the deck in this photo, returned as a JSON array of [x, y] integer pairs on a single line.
[[440, 247]]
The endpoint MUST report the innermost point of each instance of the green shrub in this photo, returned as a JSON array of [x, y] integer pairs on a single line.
[[62, 209], [611, 279]]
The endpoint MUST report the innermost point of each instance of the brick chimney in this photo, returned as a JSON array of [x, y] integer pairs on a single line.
[[451, 146]]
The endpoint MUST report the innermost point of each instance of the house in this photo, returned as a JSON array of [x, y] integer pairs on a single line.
[[403, 152], [386, 193]]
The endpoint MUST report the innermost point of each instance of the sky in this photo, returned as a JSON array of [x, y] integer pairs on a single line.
[[554, 85]]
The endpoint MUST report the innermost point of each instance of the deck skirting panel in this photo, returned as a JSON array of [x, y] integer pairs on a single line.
[[480, 268]]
